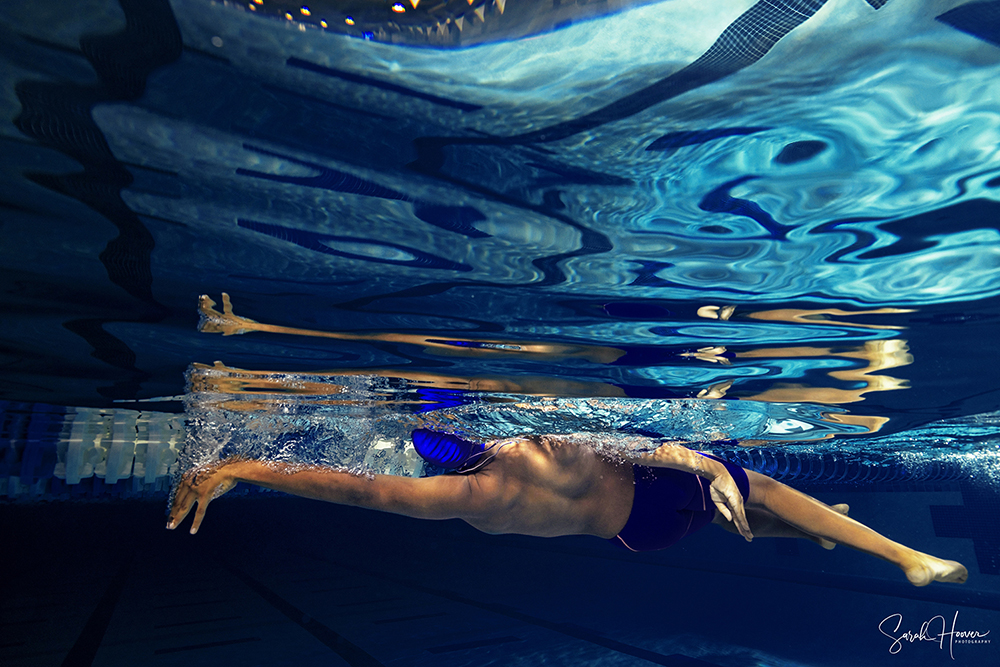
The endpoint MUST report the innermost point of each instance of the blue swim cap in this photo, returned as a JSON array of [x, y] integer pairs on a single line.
[[444, 449]]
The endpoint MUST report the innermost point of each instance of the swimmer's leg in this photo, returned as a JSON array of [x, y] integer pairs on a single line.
[[765, 524], [812, 517]]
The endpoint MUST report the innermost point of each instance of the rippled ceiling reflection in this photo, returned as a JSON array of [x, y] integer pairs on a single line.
[[766, 200]]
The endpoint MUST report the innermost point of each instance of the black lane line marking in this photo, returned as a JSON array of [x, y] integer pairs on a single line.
[[185, 591], [188, 604], [155, 170], [353, 654], [198, 647], [31, 607], [205, 620], [567, 629], [85, 648], [403, 619], [371, 601], [476, 644], [337, 590], [28, 622], [378, 83], [308, 579]]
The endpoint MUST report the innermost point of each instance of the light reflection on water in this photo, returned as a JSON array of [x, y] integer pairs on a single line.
[[569, 215], [892, 152]]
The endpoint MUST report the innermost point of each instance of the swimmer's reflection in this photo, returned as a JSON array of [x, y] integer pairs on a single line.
[[554, 485], [229, 324], [876, 355]]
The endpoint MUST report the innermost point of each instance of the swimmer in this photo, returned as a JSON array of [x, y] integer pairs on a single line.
[[554, 485]]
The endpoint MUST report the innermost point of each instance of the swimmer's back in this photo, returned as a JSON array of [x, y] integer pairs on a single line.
[[544, 486]]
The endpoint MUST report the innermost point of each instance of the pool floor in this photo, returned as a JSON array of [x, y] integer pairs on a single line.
[[275, 580]]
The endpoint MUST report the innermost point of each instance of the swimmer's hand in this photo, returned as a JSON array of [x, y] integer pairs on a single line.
[[227, 323], [729, 501], [200, 486], [724, 492]]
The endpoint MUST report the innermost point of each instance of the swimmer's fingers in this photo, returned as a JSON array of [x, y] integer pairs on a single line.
[[183, 501], [206, 493], [199, 514], [727, 498], [227, 304], [199, 488], [741, 523], [736, 516], [211, 319], [206, 305]]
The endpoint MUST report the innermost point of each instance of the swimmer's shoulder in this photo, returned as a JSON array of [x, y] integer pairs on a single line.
[[541, 455]]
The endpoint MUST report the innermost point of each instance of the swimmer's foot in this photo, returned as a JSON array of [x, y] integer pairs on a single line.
[[714, 355], [926, 568], [717, 390], [839, 508], [716, 312], [226, 323]]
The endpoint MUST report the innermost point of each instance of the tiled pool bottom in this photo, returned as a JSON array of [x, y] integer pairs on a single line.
[[280, 581]]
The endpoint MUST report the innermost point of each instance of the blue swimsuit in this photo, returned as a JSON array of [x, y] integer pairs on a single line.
[[670, 504]]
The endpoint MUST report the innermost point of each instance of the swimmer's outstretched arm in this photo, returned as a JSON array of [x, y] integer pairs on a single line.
[[442, 497], [229, 324], [725, 494]]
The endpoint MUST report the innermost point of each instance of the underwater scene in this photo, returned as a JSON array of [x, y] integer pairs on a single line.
[[464, 316]]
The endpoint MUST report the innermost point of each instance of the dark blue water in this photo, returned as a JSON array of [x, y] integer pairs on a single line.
[[771, 222]]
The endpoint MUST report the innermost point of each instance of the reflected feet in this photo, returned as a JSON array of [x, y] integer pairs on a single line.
[[926, 568], [716, 312], [710, 354], [717, 390]]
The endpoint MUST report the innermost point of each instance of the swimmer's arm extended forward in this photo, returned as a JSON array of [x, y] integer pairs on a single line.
[[442, 497]]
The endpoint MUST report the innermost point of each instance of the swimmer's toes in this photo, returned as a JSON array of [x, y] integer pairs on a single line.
[[956, 574], [935, 569]]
